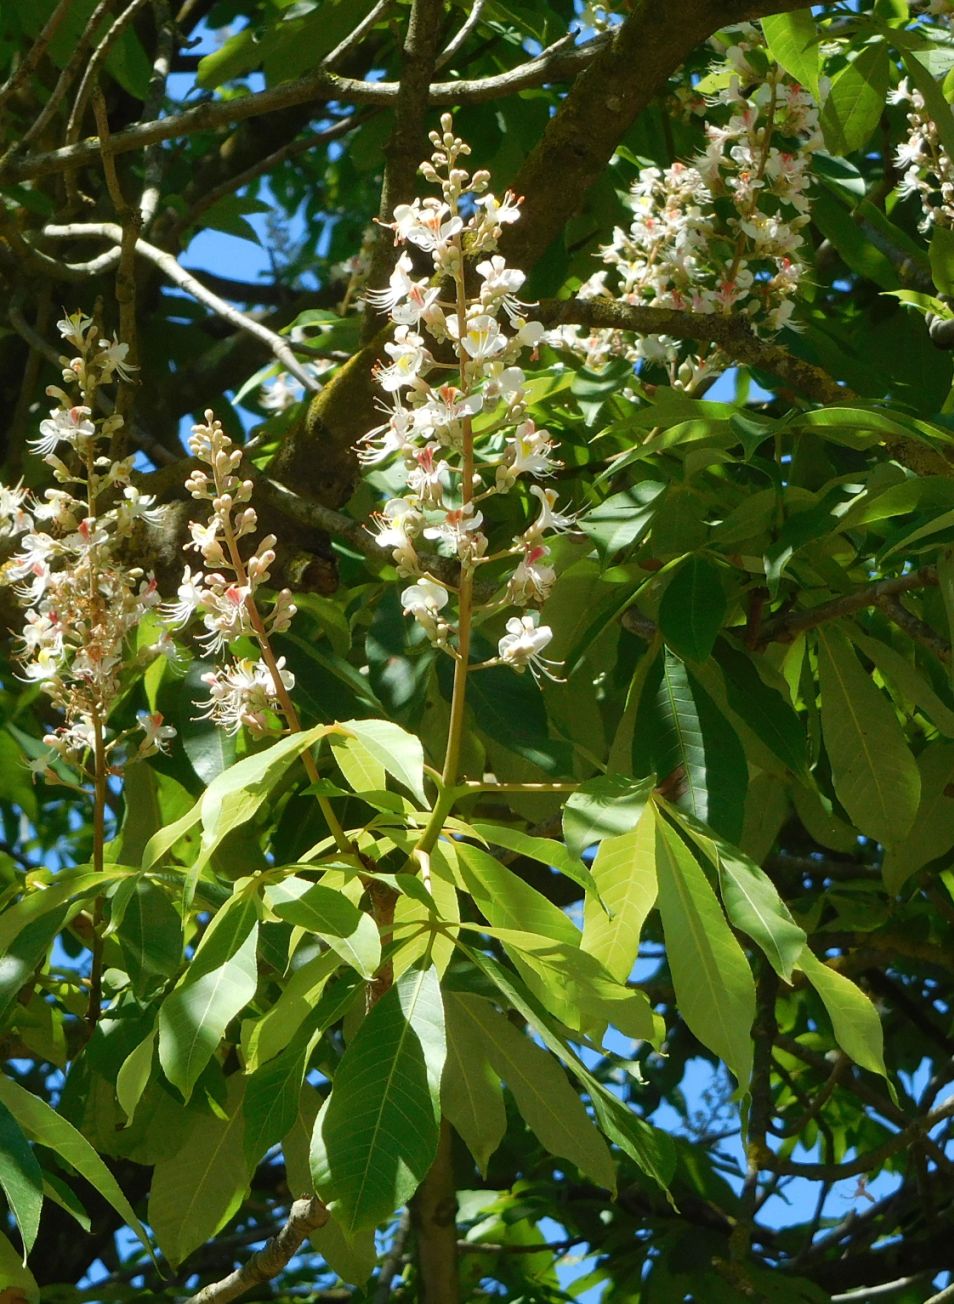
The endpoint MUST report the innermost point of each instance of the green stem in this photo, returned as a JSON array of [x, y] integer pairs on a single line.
[[94, 1004]]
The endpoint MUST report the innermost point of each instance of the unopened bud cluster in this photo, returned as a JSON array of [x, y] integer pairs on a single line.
[[223, 596], [83, 602], [722, 233], [462, 429]]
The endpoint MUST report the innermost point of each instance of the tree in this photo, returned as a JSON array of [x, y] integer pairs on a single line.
[[578, 853]]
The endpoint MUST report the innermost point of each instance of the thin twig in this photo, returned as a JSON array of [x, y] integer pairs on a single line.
[[171, 269], [315, 88], [154, 156], [90, 73], [64, 81], [916, 628], [35, 52], [456, 41], [357, 34]]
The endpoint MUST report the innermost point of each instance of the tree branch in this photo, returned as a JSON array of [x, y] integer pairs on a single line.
[[434, 1219], [305, 1216], [171, 269], [316, 88], [783, 629]]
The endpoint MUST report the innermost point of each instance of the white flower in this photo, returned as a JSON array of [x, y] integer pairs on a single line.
[[244, 694], [524, 642], [428, 477], [410, 359], [424, 601], [533, 578], [548, 518], [64, 425], [112, 360], [157, 735], [282, 393], [482, 338], [191, 596]]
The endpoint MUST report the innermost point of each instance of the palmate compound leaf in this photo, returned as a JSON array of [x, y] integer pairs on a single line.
[[549, 1105], [399, 752], [875, 776], [377, 1137], [45, 1127], [715, 992]]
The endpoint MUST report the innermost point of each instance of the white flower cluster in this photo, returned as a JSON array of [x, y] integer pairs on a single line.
[[721, 234], [926, 165], [244, 692], [465, 436], [82, 601]]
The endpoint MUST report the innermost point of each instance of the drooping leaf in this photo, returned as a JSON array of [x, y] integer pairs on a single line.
[[198, 1186], [20, 1178], [218, 984], [792, 41], [544, 850], [46, 1127], [856, 100], [855, 1020], [932, 833], [766, 712], [507, 901], [625, 873], [551, 1108], [150, 936], [875, 776], [133, 1077], [715, 992], [471, 1094], [693, 608], [399, 752], [603, 807], [750, 897], [376, 1140]]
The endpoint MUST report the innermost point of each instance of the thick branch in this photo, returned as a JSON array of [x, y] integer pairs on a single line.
[[732, 335], [434, 1219], [306, 1216], [785, 628]]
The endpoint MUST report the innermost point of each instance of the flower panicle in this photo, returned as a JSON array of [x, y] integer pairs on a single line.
[[465, 438], [83, 600], [225, 595], [721, 233]]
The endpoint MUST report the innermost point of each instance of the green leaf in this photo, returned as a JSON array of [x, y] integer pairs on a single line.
[[932, 833], [549, 1105], [649, 1148], [506, 901], [400, 753], [767, 713], [856, 100], [577, 988], [692, 745], [715, 993], [271, 1097], [603, 807], [792, 41], [134, 1075], [693, 608], [942, 258], [303, 992], [150, 936], [625, 874], [199, 1184], [904, 679], [544, 850], [362, 770], [855, 1020], [377, 1138], [875, 775], [21, 1179], [750, 898], [353, 1258], [329, 914], [624, 518], [471, 1095], [509, 710], [217, 985], [46, 1127]]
